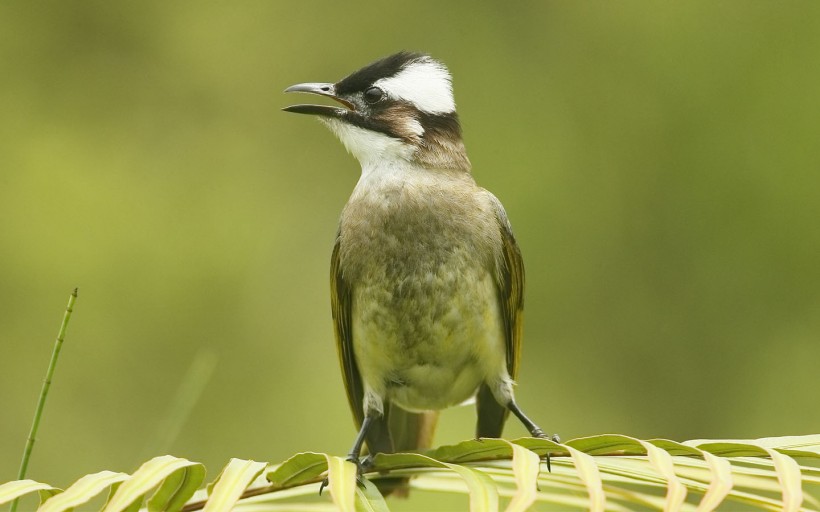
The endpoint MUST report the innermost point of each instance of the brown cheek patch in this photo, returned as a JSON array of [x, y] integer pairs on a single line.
[[396, 117], [439, 146], [442, 144]]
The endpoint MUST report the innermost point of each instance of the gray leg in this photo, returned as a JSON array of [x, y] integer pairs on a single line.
[[535, 430]]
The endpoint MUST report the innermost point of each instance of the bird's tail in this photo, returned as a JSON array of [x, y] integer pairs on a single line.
[[406, 432], [412, 431]]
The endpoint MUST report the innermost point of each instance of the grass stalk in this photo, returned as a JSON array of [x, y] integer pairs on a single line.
[[38, 413]]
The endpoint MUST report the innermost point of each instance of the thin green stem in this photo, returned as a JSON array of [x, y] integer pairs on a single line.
[[38, 413]]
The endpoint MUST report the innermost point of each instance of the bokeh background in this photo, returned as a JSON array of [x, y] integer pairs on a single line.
[[659, 162]]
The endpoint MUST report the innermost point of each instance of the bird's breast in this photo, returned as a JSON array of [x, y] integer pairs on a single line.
[[420, 262], [398, 227]]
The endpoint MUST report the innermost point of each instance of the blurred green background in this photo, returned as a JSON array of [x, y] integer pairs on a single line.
[[659, 162]]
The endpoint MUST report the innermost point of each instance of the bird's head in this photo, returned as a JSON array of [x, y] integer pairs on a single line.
[[397, 108]]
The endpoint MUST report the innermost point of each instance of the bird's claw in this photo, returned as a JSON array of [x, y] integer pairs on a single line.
[[554, 438]]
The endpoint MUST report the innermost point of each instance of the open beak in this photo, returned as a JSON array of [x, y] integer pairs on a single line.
[[328, 90]]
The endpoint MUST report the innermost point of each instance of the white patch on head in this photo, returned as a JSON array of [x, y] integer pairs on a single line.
[[425, 83], [369, 147]]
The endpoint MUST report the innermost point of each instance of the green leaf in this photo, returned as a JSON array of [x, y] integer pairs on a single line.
[[472, 450], [231, 482], [10, 491], [177, 489], [341, 476], [482, 489], [780, 450], [152, 474], [82, 491], [483, 492], [369, 499], [301, 468], [721, 482], [607, 444], [543, 446], [526, 466], [591, 477], [788, 474], [794, 446], [662, 462], [720, 472]]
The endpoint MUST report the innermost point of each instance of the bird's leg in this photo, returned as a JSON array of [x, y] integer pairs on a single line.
[[355, 452], [535, 430]]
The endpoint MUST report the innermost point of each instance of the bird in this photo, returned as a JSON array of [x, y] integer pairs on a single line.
[[427, 279]]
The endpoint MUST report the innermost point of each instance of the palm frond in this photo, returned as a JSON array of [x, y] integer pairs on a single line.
[[605, 472]]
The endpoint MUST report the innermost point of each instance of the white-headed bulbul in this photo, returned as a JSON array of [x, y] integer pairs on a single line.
[[427, 281]]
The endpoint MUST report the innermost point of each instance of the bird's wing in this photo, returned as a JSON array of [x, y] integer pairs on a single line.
[[509, 280], [341, 302]]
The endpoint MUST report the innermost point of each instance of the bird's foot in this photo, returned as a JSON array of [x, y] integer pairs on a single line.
[[537, 432], [362, 466]]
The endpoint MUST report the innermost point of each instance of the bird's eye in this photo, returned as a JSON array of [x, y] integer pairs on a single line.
[[373, 95]]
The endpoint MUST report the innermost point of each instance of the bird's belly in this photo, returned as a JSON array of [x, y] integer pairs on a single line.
[[427, 342], [430, 387]]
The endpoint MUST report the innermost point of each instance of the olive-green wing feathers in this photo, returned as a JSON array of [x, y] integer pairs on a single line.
[[510, 279], [510, 285], [341, 302]]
